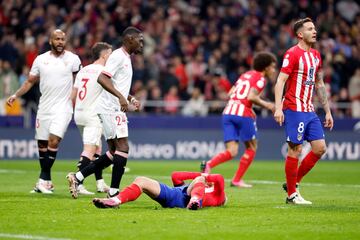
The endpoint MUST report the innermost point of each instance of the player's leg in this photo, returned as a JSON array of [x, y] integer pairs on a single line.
[[231, 137], [119, 163], [130, 193], [295, 126], [196, 190], [315, 135], [248, 134], [41, 135], [57, 129], [245, 162], [101, 186]]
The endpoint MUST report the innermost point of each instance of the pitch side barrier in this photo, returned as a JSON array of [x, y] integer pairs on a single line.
[[184, 138]]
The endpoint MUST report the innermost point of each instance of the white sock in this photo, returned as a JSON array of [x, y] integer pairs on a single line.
[[79, 176]]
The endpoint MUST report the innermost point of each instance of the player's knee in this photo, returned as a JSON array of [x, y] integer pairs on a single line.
[[140, 181], [233, 151], [54, 142], [200, 179], [294, 151], [321, 150]]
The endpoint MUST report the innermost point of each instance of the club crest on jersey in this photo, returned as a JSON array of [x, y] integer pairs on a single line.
[[299, 136]]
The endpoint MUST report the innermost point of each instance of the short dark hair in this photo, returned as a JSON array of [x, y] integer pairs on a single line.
[[98, 48], [263, 60], [299, 23], [130, 31]]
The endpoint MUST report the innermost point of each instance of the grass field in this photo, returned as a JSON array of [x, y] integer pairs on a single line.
[[257, 213]]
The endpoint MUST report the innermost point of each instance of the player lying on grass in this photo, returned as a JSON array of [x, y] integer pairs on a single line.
[[205, 190]]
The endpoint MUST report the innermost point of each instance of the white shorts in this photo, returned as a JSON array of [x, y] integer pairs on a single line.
[[55, 124], [89, 126], [115, 125]]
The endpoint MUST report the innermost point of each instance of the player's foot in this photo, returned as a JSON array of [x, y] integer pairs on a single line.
[[240, 184], [284, 186], [42, 186], [106, 202], [204, 167], [82, 190], [73, 184], [194, 204], [295, 198], [50, 185], [101, 186], [112, 195]]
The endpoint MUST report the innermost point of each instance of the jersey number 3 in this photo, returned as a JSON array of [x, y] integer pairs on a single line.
[[83, 90]]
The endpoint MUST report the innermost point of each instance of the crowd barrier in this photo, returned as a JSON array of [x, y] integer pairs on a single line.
[[177, 138]]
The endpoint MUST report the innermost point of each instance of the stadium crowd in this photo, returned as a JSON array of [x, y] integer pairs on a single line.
[[194, 50]]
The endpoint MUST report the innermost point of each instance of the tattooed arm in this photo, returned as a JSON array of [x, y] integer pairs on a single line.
[[321, 93]]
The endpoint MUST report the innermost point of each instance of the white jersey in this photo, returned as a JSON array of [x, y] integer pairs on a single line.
[[118, 67], [56, 80], [89, 89]]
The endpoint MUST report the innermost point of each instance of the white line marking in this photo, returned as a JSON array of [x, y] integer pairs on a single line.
[[23, 236], [264, 182]]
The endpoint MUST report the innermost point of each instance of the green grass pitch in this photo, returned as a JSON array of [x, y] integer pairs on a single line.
[[257, 213]]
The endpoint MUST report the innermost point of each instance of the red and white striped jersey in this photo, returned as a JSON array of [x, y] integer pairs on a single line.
[[302, 67], [238, 103]]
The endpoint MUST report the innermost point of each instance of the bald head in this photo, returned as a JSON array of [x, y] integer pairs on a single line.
[[57, 42]]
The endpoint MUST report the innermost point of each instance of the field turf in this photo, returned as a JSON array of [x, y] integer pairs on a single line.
[[257, 213]]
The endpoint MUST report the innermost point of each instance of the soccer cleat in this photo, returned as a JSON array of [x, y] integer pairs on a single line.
[[295, 198], [106, 202], [204, 167], [73, 184], [240, 184], [42, 186], [194, 203], [101, 186], [82, 190]]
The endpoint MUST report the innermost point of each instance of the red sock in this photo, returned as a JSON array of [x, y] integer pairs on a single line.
[[220, 158], [130, 193], [291, 168], [244, 164], [198, 190], [307, 164]]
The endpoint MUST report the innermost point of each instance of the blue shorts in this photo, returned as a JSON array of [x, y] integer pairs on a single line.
[[171, 197], [238, 128], [302, 126]]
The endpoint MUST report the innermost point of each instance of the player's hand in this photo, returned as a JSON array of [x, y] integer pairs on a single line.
[[279, 116], [11, 100], [272, 107], [329, 121], [136, 104], [124, 106]]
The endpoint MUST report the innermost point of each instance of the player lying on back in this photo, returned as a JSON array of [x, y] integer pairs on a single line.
[[205, 190]]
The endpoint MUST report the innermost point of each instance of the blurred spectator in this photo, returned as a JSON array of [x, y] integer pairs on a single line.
[[9, 84], [171, 100], [354, 93], [196, 105], [196, 37]]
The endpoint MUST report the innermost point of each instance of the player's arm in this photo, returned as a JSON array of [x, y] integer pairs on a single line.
[[25, 87], [73, 95], [321, 93], [254, 97], [107, 84], [178, 178], [219, 183], [279, 89]]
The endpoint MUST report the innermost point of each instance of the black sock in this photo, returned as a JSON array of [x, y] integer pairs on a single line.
[[102, 162], [118, 170], [83, 163], [98, 171], [43, 161], [50, 162]]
